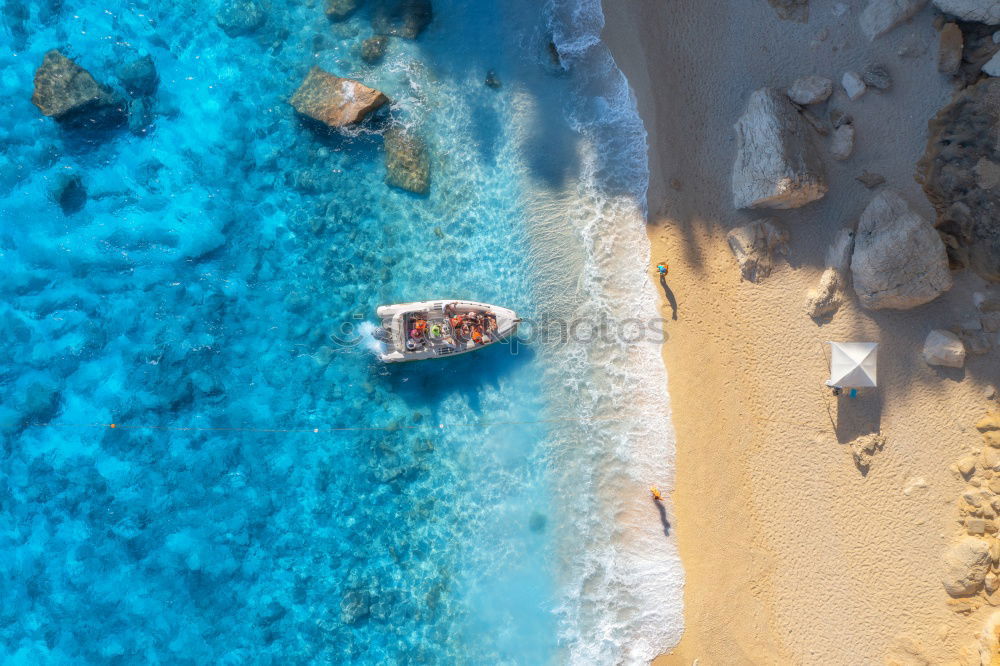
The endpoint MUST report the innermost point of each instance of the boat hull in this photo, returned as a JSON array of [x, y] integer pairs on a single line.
[[440, 341]]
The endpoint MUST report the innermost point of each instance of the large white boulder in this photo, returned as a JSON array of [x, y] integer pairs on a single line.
[[899, 261], [980, 11], [966, 565], [777, 165], [881, 16], [944, 348]]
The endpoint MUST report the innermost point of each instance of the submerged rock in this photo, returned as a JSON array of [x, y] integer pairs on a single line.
[[944, 348], [401, 18], [355, 606], [335, 101], [373, 48], [899, 261], [881, 16], [338, 10], [140, 115], [777, 165], [950, 44], [960, 174], [755, 245], [240, 17], [979, 11], [965, 566], [139, 77], [70, 193], [810, 90], [407, 161], [68, 93]]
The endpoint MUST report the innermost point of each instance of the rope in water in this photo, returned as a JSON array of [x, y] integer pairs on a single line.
[[388, 428]]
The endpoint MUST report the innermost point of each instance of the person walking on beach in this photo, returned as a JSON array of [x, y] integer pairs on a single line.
[[663, 268], [656, 493]]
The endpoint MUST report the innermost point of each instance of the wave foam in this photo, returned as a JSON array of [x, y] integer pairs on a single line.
[[622, 581]]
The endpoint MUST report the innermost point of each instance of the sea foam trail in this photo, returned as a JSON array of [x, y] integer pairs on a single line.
[[621, 578]]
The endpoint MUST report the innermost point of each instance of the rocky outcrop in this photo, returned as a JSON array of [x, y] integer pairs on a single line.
[[373, 48], [777, 165], [401, 18], [335, 101], [965, 566], [68, 93], [791, 10], [899, 261], [864, 448], [810, 90], [240, 17], [826, 297], [338, 10], [407, 161], [988, 647], [944, 348], [755, 247], [950, 45], [881, 16], [979, 11], [960, 173]]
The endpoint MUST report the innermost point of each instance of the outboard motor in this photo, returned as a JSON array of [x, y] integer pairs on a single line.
[[382, 334]]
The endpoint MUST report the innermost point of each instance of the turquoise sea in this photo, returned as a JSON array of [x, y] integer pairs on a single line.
[[270, 492]]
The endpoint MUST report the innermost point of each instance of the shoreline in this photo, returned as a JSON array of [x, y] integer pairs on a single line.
[[784, 543]]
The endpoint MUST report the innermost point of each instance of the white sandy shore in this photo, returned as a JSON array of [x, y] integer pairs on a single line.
[[791, 554]]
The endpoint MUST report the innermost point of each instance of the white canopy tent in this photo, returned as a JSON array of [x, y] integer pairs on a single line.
[[853, 364]]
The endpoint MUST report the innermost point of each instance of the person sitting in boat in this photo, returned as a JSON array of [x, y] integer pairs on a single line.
[[464, 331], [421, 325], [477, 335], [416, 334], [450, 309], [491, 322], [456, 322]]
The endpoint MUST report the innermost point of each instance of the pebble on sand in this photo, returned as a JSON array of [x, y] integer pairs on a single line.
[[853, 85], [944, 348]]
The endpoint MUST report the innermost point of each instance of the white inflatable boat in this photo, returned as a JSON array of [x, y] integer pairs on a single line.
[[432, 329]]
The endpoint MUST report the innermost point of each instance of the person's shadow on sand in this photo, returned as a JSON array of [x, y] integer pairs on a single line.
[[663, 517], [670, 296]]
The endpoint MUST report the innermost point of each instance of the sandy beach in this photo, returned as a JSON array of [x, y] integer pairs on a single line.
[[791, 553]]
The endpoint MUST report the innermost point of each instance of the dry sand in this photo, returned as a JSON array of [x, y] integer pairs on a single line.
[[792, 555]]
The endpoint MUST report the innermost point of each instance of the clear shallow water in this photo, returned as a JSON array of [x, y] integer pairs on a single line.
[[199, 287]]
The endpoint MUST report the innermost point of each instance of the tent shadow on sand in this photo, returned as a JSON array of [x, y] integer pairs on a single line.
[[854, 370]]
